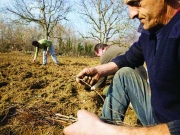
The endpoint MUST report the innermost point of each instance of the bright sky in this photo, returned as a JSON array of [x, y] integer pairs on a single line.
[[74, 18]]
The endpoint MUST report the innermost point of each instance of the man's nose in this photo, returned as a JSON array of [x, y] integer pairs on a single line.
[[133, 12]]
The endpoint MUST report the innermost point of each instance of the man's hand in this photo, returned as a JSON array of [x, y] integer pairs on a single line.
[[86, 124], [88, 76], [91, 75], [89, 124]]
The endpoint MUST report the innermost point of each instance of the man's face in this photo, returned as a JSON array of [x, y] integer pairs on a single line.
[[99, 53], [150, 13]]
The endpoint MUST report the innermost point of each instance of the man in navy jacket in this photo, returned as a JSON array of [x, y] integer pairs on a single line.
[[158, 104]]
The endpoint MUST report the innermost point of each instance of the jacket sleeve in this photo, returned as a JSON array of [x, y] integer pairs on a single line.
[[132, 58], [174, 127]]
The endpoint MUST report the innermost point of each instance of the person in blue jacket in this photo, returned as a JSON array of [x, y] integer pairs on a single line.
[[156, 104]]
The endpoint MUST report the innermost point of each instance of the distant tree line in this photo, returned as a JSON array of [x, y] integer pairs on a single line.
[[16, 37]]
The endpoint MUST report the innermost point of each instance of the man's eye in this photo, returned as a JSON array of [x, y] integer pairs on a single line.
[[134, 3]]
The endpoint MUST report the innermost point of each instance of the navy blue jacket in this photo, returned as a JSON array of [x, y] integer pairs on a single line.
[[163, 66]]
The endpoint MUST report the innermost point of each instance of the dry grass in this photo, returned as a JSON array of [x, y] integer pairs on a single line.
[[30, 94]]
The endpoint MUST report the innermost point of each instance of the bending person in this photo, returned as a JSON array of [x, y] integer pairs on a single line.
[[47, 47]]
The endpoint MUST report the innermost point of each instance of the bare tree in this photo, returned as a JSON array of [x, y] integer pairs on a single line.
[[46, 13], [104, 17], [127, 33]]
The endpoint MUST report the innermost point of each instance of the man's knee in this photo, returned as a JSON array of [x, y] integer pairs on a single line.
[[125, 71], [127, 76]]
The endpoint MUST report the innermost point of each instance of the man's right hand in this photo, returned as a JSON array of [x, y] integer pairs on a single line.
[[88, 76]]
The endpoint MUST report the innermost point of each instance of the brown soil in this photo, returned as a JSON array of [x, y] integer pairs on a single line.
[[31, 94]]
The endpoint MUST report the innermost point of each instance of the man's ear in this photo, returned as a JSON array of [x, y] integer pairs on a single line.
[[104, 49], [96, 52]]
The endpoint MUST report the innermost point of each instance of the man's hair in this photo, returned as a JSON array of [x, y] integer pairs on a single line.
[[99, 46], [35, 43]]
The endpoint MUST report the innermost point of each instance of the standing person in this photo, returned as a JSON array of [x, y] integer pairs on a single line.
[[106, 54], [47, 47], [158, 105]]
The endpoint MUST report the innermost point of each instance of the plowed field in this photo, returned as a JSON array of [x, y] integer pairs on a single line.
[[31, 94]]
